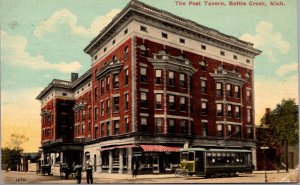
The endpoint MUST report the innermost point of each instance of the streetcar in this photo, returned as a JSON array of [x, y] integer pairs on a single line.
[[215, 162]]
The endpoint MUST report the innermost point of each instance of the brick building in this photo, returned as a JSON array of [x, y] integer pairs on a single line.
[[157, 83]]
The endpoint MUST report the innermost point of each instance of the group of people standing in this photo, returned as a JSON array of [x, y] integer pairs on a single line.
[[89, 172]]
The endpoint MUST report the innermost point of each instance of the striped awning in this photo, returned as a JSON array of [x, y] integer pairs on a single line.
[[114, 147], [160, 148]]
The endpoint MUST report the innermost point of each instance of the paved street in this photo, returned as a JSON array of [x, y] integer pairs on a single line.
[[256, 177]]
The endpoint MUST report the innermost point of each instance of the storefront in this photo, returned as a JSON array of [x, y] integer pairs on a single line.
[[152, 158]]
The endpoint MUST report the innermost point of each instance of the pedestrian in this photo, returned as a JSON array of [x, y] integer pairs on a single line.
[[89, 172], [78, 169], [136, 166]]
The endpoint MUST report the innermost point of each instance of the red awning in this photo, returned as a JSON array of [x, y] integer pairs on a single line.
[[113, 147], [159, 148]]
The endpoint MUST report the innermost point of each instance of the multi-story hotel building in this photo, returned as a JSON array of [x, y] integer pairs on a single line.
[[157, 83]]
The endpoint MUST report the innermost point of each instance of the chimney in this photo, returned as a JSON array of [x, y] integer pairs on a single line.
[[74, 77]]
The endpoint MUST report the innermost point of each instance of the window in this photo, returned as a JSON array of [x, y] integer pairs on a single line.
[[90, 112], [126, 125], [113, 42], [116, 127], [229, 130], [126, 102], [102, 86], [116, 104], [203, 65], [229, 111], [228, 90], [247, 76], [95, 57], [143, 28], [171, 126], [222, 53], [159, 125], [125, 31], [96, 132], [144, 124], [158, 76], [204, 110], [248, 61], [116, 81], [143, 50], [182, 104], [171, 78], [220, 130], [158, 104], [182, 41], [204, 129], [96, 93], [237, 112], [203, 47], [107, 83], [83, 115], [203, 86], [102, 130], [126, 76], [126, 50], [237, 93], [83, 129], [219, 109], [164, 35], [248, 115], [219, 89], [107, 128], [249, 133], [183, 129], [143, 74], [235, 57], [107, 106], [248, 95], [104, 50], [182, 80], [96, 113], [238, 131], [144, 102], [172, 102]]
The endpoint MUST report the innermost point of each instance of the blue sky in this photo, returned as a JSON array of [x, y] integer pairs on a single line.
[[44, 39]]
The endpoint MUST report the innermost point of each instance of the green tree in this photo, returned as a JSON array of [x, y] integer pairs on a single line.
[[283, 125]]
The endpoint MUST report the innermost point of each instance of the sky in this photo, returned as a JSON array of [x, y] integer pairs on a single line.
[[44, 39]]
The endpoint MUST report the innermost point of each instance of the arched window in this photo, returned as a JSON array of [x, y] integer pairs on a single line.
[[143, 49], [126, 52], [247, 77], [203, 65], [114, 58]]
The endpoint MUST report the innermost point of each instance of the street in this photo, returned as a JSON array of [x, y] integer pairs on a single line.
[[257, 177]]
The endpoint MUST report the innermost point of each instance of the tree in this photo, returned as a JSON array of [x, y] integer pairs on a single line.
[[17, 140], [11, 156], [283, 125]]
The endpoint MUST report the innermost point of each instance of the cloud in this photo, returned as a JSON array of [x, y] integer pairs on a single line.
[[268, 40], [66, 17], [13, 49], [287, 68], [270, 92], [20, 114]]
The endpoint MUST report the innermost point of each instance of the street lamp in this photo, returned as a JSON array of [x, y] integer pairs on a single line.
[[264, 148]]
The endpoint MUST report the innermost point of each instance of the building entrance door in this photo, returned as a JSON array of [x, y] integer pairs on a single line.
[[155, 164]]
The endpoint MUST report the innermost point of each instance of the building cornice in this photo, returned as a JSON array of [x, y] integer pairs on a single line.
[[66, 85], [143, 10]]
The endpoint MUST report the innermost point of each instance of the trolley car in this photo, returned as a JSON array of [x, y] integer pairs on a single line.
[[215, 162]]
